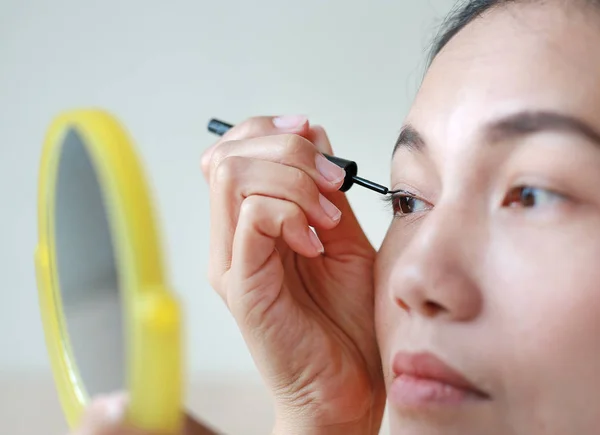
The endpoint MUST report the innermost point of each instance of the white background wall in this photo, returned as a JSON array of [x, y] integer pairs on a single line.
[[164, 68]]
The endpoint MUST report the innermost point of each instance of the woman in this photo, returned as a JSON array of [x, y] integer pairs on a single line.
[[480, 312]]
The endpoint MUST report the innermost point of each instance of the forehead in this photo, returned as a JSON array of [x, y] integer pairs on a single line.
[[524, 56]]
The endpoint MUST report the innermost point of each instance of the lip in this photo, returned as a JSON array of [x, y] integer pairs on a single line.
[[423, 381]]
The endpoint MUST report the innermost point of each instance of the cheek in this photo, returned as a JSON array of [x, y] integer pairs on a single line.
[[544, 296], [386, 312]]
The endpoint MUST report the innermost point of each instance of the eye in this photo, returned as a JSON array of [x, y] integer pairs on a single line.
[[528, 197], [404, 204]]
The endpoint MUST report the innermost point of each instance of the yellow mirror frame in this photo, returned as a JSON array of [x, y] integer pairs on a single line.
[[152, 321]]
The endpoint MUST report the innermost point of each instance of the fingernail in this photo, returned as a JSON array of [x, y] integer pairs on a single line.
[[315, 241], [332, 172], [331, 210], [289, 121]]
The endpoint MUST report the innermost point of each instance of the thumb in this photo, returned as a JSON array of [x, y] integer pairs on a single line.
[[348, 229]]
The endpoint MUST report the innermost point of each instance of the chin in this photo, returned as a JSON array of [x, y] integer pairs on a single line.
[[467, 418], [442, 425]]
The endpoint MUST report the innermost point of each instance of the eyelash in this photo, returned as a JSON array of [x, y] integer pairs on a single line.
[[524, 193], [527, 193], [394, 199], [388, 200]]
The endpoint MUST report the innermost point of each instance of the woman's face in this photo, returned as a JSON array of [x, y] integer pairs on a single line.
[[493, 267]]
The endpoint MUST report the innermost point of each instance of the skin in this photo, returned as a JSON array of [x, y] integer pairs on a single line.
[[306, 316], [500, 285], [509, 296]]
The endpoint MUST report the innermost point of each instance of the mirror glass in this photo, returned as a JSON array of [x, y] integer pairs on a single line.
[[87, 273]]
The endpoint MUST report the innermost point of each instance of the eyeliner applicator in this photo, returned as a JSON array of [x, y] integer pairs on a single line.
[[220, 128]]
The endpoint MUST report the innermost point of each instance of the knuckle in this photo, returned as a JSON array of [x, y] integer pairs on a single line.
[[252, 208], [255, 209], [219, 154], [296, 147], [205, 162], [302, 185], [205, 170], [227, 170], [288, 212]]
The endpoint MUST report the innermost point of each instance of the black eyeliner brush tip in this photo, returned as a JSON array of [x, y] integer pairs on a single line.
[[370, 185]]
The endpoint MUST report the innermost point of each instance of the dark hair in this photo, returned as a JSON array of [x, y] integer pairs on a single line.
[[462, 14]]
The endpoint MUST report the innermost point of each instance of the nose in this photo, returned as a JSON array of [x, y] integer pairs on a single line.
[[435, 276]]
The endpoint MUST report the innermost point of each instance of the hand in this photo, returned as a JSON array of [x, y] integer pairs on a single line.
[[303, 305], [105, 416]]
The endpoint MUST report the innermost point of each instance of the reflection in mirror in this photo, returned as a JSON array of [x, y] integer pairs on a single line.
[[87, 275]]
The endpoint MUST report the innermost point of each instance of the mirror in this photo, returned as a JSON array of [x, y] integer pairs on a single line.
[[111, 321], [87, 274]]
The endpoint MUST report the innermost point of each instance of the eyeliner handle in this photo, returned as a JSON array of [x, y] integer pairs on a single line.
[[220, 128]]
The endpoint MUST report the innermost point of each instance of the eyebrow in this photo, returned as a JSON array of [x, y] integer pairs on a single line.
[[409, 138], [516, 125]]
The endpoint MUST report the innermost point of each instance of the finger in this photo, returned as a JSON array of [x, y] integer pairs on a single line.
[[239, 178], [264, 220], [287, 149], [257, 127], [335, 240]]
